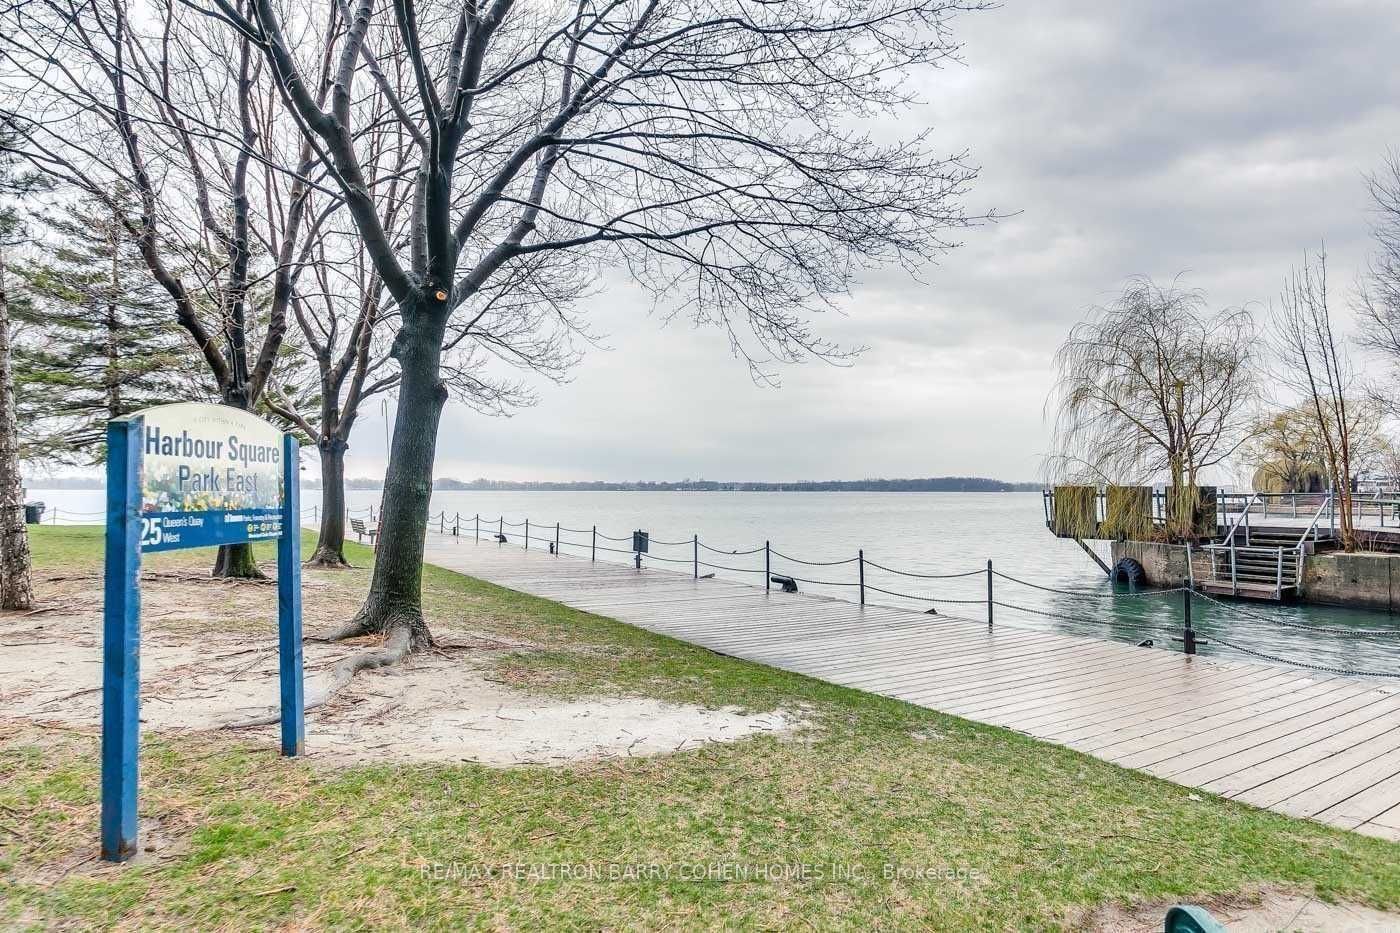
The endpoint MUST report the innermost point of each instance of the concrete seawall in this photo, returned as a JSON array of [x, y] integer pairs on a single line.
[[1367, 580], [1162, 564]]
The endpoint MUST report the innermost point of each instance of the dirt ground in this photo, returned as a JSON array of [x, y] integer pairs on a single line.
[[1268, 911], [209, 661]]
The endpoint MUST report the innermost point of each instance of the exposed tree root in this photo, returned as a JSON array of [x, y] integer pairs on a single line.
[[355, 628], [326, 559], [395, 648]]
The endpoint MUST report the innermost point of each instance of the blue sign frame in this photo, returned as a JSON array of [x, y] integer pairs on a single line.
[[121, 625]]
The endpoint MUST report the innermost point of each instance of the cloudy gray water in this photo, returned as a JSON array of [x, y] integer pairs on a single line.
[[923, 533]]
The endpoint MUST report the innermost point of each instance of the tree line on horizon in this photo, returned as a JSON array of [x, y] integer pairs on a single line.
[[447, 484], [927, 484]]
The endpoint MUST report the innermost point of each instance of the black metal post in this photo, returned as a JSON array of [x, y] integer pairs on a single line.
[[593, 549], [989, 594], [767, 565], [695, 546], [527, 534], [456, 524], [556, 539], [1188, 634], [501, 525], [442, 522], [861, 563], [478, 526]]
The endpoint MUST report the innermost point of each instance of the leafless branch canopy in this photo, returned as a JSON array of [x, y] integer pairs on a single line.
[[162, 104], [1379, 296], [715, 150], [1314, 362]]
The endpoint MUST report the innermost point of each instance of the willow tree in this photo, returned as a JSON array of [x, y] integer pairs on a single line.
[[1154, 386], [712, 150], [1286, 452]]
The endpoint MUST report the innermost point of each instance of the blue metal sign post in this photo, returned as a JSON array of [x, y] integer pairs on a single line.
[[121, 640], [211, 489], [289, 604]]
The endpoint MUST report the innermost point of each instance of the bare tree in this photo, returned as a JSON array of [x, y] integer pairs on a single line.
[[1154, 385], [342, 366], [1378, 304], [1380, 295], [711, 148], [340, 354], [16, 589], [1314, 362], [197, 136]]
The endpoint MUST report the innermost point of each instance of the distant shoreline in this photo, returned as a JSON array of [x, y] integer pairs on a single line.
[[930, 484]]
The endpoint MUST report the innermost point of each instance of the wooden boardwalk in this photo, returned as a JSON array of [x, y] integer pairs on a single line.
[[1311, 745]]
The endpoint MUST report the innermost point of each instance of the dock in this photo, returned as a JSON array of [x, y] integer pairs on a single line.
[[1317, 746]]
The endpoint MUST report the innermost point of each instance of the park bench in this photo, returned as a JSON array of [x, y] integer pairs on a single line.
[[357, 525]]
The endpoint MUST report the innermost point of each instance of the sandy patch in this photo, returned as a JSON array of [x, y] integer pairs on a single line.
[[1266, 912], [436, 706]]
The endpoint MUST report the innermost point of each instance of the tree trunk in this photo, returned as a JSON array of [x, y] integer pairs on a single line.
[[111, 372], [236, 561], [1181, 509], [395, 599], [330, 547], [16, 590], [1346, 527]]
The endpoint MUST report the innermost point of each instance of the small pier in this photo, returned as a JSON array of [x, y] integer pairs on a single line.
[[1319, 746], [1242, 545]]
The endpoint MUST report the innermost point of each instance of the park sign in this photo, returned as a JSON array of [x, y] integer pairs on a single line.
[[211, 474], [182, 476]]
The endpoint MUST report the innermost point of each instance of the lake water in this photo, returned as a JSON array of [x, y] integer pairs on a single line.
[[924, 533]]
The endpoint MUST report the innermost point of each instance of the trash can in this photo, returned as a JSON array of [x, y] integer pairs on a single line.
[[33, 513]]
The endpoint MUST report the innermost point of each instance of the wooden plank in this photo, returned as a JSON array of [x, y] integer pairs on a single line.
[[983, 670], [993, 683], [1363, 759], [1158, 714], [1143, 714], [1339, 792], [1314, 736], [1054, 696], [1243, 728], [1363, 805]]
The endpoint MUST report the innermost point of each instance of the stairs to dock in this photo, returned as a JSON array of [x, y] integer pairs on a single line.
[[1267, 568]]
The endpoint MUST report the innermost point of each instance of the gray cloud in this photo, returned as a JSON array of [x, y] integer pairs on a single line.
[[1216, 139]]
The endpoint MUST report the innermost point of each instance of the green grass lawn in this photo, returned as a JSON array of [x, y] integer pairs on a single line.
[[990, 830]]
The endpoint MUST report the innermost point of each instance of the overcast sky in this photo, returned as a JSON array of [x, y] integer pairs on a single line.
[[1219, 140]]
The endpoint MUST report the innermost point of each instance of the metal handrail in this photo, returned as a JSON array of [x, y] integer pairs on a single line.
[[1254, 548], [1244, 516], [1234, 550], [1312, 526]]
